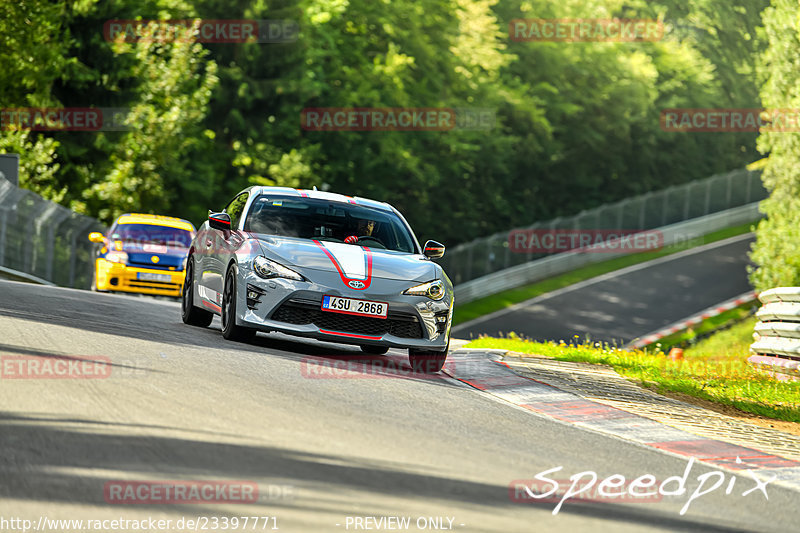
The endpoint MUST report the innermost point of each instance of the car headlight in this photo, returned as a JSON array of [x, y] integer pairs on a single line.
[[433, 290], [117, 257], [270, 269]]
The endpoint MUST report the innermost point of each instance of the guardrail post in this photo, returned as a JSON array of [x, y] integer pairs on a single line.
[[3, 225], [728, 194], [34, 234], [74, 247], [51, 238], [48, 210], [489, 255], [643, 210], [687, 202], [467, 274], [749, 186]]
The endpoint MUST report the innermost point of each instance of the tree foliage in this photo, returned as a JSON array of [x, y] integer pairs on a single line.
[[777, 248], [577, 124]]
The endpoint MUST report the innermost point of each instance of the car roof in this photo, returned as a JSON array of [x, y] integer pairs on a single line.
[[321, 195], [155, 220]]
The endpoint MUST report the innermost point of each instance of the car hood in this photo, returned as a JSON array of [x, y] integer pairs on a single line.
[[351, 261]]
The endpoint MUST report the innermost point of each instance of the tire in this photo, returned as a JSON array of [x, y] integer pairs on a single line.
[[189, 313], [374, 350], [230, 331], [427, 361]]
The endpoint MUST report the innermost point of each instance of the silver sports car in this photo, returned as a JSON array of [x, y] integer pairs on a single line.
[[321, 265]]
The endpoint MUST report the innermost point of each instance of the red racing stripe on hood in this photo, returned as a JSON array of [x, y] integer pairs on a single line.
[[342, 275]]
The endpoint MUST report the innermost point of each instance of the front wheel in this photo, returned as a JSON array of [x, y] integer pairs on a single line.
[[230, 331], [189, 313], [427, 361]]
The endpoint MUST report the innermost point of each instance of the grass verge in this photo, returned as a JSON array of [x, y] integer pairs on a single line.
[[477, 308], [715, 370]]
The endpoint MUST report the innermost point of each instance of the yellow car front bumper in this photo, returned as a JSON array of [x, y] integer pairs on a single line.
[[118, 277]]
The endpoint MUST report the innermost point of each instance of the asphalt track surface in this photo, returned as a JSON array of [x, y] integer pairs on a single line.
[[624, 305], [181, 403]]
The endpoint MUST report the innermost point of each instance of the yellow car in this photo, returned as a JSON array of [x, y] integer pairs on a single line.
[[144, 254]]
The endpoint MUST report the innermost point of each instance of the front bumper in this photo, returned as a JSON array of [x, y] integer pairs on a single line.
[[119, 277], [294, 308]]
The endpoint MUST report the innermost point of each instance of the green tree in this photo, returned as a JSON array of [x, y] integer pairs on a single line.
[[148, 168], [776, 251]]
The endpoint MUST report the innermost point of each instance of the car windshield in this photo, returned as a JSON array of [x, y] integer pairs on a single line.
[[152, 234], [324, 220]]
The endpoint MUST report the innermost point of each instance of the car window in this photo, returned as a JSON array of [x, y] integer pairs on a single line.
[[235, 209], [309, 218], [151, 234]]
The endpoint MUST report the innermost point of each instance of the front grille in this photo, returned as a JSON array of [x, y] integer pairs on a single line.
[[298, 312], [161, 285], [153, 266]]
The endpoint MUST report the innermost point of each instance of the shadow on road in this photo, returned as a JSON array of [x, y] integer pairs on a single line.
[[44, 462]]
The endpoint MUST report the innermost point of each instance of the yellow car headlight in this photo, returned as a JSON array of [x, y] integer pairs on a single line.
[[117, 257]]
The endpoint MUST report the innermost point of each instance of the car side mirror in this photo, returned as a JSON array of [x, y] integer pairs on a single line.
[[97, 237], [433, 250], [220, 221]]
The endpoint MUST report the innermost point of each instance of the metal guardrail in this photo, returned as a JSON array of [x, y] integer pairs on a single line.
[[44, 241], [484, 256], [686, 323], [676, 234], [777, 334]]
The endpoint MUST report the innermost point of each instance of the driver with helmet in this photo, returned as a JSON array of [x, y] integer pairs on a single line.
[[365, 229]]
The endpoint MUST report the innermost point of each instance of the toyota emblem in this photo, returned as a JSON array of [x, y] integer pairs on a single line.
[[355, 284]]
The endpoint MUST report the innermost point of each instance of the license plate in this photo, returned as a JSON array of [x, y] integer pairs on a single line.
[[149, 276], [352, 306], [155, 248]]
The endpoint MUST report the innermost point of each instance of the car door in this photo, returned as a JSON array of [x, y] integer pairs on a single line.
[[225, 243], [205, 242]]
